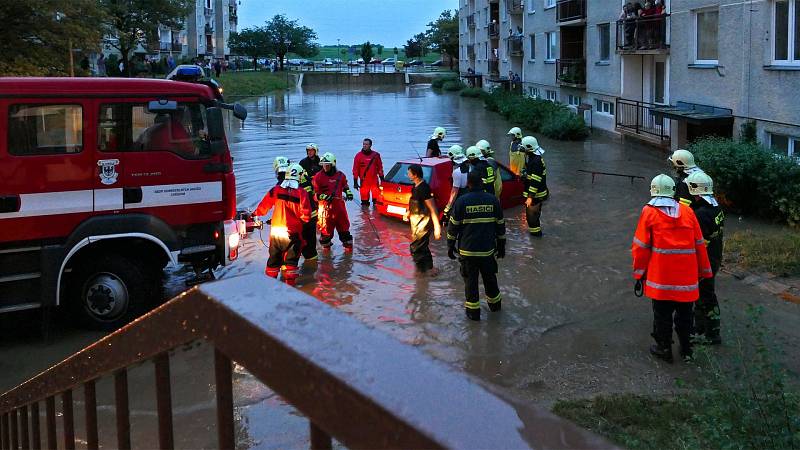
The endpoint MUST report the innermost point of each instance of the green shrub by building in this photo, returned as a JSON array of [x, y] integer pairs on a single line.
[[751, 179], [474, 92], [439, 82], [453, 85], [553, 120]]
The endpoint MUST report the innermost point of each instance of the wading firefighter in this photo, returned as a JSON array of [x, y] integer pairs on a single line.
[[534, 177], [310, 227], [683, 162], [433, 144], [280, 165], [479, 164], [311, 161], [292, 209], [424, 219], [368, 173], [516, 156], [331, 188], [669, 257], [712, 222], [460, 171], [494, 176], [477, 233]]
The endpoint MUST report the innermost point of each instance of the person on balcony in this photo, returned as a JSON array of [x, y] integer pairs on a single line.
[[628, 15], [647, 27]]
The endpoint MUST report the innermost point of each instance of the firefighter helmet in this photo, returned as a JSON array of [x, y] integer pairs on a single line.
[[328, 158], [662, 186], [530, 144], [455, 151], [473, 153], [439, 133], [516, 131], [485, 147], [313, 146], [700, 183], [294, 172], [280, 164], [682, 159]]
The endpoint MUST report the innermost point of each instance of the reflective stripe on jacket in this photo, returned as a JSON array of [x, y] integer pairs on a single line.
[[476, 224], [534, 177], [671, 254]]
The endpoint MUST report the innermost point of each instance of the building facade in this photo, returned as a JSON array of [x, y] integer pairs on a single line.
[[704, 66]]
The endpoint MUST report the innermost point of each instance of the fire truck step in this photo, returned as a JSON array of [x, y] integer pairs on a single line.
[[19, 307], [20, 277], [20, 250], [191, 251]]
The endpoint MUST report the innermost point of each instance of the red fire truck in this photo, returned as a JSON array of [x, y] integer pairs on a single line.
[[103, 182]]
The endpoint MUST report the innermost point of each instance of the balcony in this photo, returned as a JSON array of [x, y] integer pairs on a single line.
[[571, 72], [208, 29], [494, 67], [471, 21], [570, 12], [494, 29], [167, 47], [208, 12], [233, 14], [515, 47], [637, 119], [515, 6], [643, 35], [471, 51]]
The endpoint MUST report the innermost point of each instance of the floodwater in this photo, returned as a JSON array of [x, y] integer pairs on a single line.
[[570, 326]]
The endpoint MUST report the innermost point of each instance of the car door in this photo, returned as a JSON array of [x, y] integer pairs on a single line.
[[512, 188]]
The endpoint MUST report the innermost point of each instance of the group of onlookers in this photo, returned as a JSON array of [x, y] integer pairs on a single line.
[[639, 31]]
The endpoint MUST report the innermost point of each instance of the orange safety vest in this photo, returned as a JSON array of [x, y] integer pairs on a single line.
[[670, 253]]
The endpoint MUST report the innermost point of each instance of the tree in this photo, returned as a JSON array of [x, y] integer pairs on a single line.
[[252, 42], [395, 52], [286, 36], [417, 46], [379, 49], [134, 22], [442, 34], [37, 38], [366, 53]]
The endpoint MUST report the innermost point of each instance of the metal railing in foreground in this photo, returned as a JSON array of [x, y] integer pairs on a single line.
[[352, 382]]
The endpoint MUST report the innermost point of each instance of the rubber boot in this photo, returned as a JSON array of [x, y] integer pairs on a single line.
[[700, 319], [686, 346], [712, 332], [496, 306], [662, 349], [473, 314]]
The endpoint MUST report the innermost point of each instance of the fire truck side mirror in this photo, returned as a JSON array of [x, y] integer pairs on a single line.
[[239, 111], [216, 125]]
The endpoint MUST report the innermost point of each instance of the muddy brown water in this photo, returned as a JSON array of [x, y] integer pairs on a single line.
[[570, 326]]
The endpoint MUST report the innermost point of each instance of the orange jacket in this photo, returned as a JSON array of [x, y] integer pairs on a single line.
[[292, 210], [670, 253]]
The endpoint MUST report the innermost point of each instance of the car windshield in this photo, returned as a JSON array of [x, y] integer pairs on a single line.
[[399, 174]]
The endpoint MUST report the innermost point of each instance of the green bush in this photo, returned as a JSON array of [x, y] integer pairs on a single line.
[[453, 85], [751, 179], [554, 120], [565, 126], [439, 82], [473, 92]]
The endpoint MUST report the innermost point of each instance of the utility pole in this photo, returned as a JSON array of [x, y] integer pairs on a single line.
[[71, 59]]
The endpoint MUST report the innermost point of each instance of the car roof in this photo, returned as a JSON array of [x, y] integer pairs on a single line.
[[425, 161], [98, 87]]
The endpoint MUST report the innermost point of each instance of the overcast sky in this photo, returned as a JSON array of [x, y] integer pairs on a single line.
[[387, 22]]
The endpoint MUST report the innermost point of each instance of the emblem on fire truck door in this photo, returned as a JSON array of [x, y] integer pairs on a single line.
[[108, 170]]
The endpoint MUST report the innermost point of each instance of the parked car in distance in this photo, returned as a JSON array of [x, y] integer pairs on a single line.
[[414, 62], [389, 61], [337, 60], [437, 63], [327, 62], [438, 173], [375, 61], [360, 61]]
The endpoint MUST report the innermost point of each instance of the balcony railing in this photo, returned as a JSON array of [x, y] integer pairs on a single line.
[[494, 67], [471, 51], [352, 382], [570, 10], [494, 29], [171, 47], [471, 21], [515, 6], [571, 72], [208, 29], [515, 47], [643, 35], [637, 118]]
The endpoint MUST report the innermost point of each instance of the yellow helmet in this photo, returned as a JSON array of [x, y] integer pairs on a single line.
[[439, 132], [485, 148], [328, 158], [516, 131], [662, 186], [700, 184], [280, 164], [473, 153], [682, 159]]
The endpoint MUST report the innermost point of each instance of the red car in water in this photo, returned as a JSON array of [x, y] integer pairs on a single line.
[[438, 173]]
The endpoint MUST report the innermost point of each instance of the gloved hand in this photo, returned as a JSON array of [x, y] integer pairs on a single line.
[[323, 197], [349, 195], [355, 184], [638, 288], [501, 248], [445, 216], [451, 253]]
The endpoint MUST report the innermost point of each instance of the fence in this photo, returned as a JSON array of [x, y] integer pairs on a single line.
[[642, 34], [569, 10], [637, 117], [571, 72]]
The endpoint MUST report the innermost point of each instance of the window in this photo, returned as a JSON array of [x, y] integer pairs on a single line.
[[660, 82], [533, 47], [399, 174], [603, 107], [551, 95], [784, 145], [485, 17], [706, 29], [549, 3], [45, 129], [550, 39], [129, 127], [786, 26], [531, 7], [574, 100], [533, 92], [604, 32]]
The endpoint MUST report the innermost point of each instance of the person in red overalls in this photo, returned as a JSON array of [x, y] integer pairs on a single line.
[[368, 168], [330, 186], [292, 209]]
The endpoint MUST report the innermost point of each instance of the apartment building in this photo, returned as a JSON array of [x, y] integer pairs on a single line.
[[704, 67]]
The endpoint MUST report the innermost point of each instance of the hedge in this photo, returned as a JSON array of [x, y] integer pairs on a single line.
[[439, 82], [473, 92], [553, 120], [751, 179]]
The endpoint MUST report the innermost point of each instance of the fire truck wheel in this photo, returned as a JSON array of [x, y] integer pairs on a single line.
[[110, 291]]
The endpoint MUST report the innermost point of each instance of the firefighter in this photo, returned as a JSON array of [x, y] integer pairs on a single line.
[[516, 157], [712, 222], [494, 174], [669, 257], [683, 162], [310, 227], [292, 209], [433, 144], [460, 171], [421, 215], [280, 165], [534, 178], [368, 169], [477, 233], [311, 161], [330, 185], [478, 163]]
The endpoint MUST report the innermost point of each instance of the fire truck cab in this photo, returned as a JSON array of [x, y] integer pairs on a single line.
[[103, 182]]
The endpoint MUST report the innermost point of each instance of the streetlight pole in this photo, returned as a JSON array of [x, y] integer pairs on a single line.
[[288, 42], [338, 53]]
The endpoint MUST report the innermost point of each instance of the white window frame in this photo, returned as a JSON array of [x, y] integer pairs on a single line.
[[554, 98], [793, 26], [571, 98], [531, 7], [694, 36], [793, 146], [532, 46], [549, 4], [534, 92], [548, 56], [604, 107]]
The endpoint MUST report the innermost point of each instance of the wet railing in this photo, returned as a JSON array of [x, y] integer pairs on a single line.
[[569, 10], [571, 72], [515, 6], [643, 35], [637, 117], [515, 46], [352, 382]]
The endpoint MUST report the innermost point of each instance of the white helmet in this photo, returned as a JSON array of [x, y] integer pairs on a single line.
[[280, 164], [294, 172], [700, 184], [662, 186], [485, 148], [530, 144], [313, 146], [328, 158], [516, 131], [455, 151], [682, 159], [439, 132], [474, 153]]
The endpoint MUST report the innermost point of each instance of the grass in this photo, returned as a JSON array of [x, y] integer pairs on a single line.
[[332, 52], [244, 84], [775, 251]]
